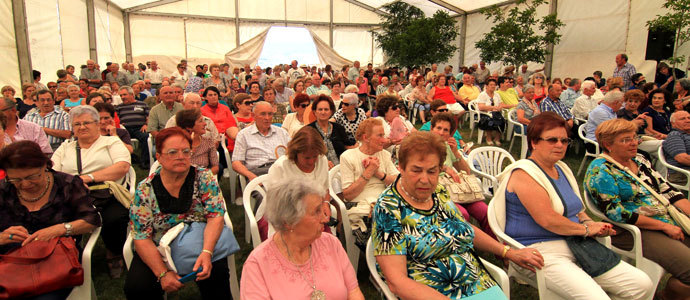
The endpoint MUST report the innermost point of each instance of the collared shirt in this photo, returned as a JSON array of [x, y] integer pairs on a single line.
[[583, 105], [314, 90], [469, 92], [57, 119], [525, 75], [509, 96], [481, 75], [131, 77], [353, 73], [284, 97], [120, 78], [555, 106], [255, 149], [676, 142], [30, 132], [156, 76], [160, 115], [90, 75], [625, 72], [568, 97], [133, 114], [597, 116]]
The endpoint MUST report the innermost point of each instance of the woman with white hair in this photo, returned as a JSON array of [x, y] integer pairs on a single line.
[[298, 260], [74, 98], [350, 115]]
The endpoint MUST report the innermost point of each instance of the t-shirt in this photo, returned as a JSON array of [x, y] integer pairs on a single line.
[[267, 274], [133, 114], [283, 168], [351, 168], [103, 153], [509, 96], [470, 92], [292, 124]]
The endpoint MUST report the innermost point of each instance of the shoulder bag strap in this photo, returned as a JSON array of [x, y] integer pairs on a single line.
[[656, 195], [78, 159]]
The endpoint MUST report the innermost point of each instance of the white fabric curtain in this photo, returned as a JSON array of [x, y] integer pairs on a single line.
[[327, 55], [164, 45], [207, 40], [8, 48], [353, 43], [248, 52], [44, 37]]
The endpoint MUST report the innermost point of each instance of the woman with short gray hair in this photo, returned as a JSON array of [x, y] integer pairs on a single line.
[[74, 99], [298, 260], [527, 108], [681, 94]]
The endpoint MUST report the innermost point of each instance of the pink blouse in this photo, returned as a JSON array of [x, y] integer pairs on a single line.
[[267, 274]]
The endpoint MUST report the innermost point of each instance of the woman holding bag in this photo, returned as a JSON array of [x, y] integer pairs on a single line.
[[625, 187], [174, 193]]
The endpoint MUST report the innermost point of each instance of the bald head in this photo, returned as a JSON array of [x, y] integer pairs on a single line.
[[192, 101]]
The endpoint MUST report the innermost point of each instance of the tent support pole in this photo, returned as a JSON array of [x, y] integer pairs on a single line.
[[184, 24], [461, 46], [128, 36], [91, 22], [22, 41], [237, 23], [330, 28], [548, 64]]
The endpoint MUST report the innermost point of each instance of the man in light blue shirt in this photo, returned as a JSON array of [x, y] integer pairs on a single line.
[[612, 102], [554, 104], [571, 93], [316, 87], [353, 72]]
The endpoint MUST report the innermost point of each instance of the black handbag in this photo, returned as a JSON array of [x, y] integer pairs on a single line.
[[100, 192], [593, 257]]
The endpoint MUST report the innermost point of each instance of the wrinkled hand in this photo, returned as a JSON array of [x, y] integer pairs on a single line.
[[19, 234], [330, 165], [527, 258], [372, 167], [46, 234], [674, 232], [171, 282], [204, 261], [452, 142], [453, 174]]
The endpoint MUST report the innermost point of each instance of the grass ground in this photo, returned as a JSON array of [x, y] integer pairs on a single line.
[[111, 289]]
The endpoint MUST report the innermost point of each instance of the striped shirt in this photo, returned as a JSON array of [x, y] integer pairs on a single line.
[[254, 149], [676, 142], [57, 119], [133, 114], [30, 132], [555, 106], [625, 72]]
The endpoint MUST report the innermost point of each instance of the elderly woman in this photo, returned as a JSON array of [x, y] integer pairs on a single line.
[[8, 92], [365, 172], [419, 98], [298, 260], [333, 134], [74, 99], [350, 115], [540, 86], [443, 92], [543, 208], [630, 112], [96, 158], [244, 104], [422, 243], [299, 88], [681, 95], [218, 82], [27, 102], [107, 126], [204, 152], [661, 115], [255, 91], [175, 192], [490, 101], [388, 110], [39, 204], [527, 108], [294, 121], [624, 199]]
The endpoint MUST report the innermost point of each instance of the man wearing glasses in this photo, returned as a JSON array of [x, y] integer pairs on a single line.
[[19, 130], [54, 121]]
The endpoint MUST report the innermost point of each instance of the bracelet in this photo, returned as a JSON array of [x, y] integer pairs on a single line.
[[586, 230], [207, 251], [505, 251], [585, 221], [384, 177], [365, 179], [162, 275]]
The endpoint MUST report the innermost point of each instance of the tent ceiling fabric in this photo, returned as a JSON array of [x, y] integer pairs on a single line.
[[431, 8]]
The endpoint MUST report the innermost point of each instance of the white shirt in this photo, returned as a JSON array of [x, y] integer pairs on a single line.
[[292, 124], [180, 79], [285, 168], [156, 76], [106, 151], [583, 105]]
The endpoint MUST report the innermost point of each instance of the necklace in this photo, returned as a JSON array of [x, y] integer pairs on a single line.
[[413, 197], [43, 193], [315, 294]]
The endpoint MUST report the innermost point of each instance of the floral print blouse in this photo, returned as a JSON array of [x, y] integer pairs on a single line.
[[437, 243], [148, 222], [621, 198]]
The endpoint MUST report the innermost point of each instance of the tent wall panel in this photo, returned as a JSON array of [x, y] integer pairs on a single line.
[[303, 10], [321, 31], [117, 33], [44, 37], [8, 48], [207, 41], [224, 8], [75, 39], [262, 9], [250, 30], [109, 33], [353, 43], [344, 12], [158, 38]]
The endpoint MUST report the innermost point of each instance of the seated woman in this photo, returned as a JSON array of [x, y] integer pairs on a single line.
[[624, 199], [243, 103], [527, 108], [422, 243], [298, 260], [543, 208], [204, 152], [365, 172], [333, 134], [175, 192], [97, 158], [350, 115], [490, 101], [255, 91], [389, 110], [661, 115], [443, 92], [74, 99], [37, 203], [419, 99], [107, 126]]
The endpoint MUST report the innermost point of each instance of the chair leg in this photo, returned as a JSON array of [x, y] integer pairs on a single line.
[[511, 143], [480, 135], [523, 149], [582, 164]]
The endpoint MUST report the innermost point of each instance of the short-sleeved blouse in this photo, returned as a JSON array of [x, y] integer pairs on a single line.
[[222, 86], [437, 243], [529, 112], [350, 125], [205, 154], [148, 222], [661, 121]]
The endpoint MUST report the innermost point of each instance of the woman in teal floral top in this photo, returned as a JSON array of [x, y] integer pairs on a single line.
[[174, 193], [422, 243], [623, 199]]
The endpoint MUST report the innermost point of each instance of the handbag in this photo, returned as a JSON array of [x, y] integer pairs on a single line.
[[182, 245], [40, 267], [99, 191], [681, 219], [465, 191], [593, 257]]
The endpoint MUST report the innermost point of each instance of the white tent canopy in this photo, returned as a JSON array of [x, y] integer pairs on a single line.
[[48, 35]]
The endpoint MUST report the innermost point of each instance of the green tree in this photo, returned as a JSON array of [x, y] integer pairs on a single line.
[[512, 40], [678, 21], [408, 38]]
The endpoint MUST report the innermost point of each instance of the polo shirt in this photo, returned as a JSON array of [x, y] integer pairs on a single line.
[[159, 115], [597, 116], [133, 114], [30, 132], [676, 142], [90, 75]]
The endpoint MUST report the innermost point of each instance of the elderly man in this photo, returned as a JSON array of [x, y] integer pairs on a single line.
[[624, 70], [134, 115], [353, 73], [432, 73], [381, 88], [585, 103], [316, 87], [18, 130], [148, 89], [294, 72], [612, 102], [571, 93], [677, 146], [162, 112], [243, 76], [92, 74], [525, 73], [193, 101], [53, 120], [139, 95], [481, 74], [261, 76], [283, 93], [553, 103], [155, 75], [131, 74], [115, 75], [468, 91], [255, 146]]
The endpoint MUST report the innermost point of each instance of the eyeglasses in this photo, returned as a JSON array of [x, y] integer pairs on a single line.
[[87, 123], [442, 110], [27, 178], [174, 152], [554, 140], [636, 139], [303, 105], [394, 107], [52, 86]]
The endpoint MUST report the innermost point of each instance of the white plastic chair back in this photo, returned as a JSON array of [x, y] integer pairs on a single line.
[[512, 119], [487, 163], [664, 162], [86, 290], [152, 149], [130, 181], [249, 204], [581, 133], [335, 188]]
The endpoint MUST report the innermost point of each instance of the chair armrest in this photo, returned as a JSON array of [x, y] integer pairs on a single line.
[[499, 275]]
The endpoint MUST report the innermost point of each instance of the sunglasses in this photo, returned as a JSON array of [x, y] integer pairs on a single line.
[[394, 107], [303, 105], [442, 110], [347, 104], [554, 140], [249, 102]]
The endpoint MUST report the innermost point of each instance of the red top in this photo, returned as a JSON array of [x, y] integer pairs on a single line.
[[223, 119], [444, 94]]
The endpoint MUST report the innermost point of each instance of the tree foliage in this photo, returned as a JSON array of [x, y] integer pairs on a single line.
[[408, 38], [512, 40], [676, 20]]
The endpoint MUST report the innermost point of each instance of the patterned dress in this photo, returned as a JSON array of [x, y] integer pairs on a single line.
[[437, 243]]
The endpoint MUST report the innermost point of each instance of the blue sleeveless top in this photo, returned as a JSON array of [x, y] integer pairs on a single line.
[[521, 226], [69, 103]]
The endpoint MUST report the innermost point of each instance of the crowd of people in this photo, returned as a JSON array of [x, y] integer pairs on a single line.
[[295, 123]]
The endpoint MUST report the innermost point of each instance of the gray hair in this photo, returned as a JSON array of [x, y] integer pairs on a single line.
[[128, 89], [257, 104], [279, 81], [527, 87], [612, 97], [84, 109], [573, 82], [684, 83], [179, 86], [71, 86], [187, 95], [285, 200], [588, 84], [674, 115], [350, 98], [351, 88]]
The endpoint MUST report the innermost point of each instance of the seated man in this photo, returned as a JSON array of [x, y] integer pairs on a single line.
[[571, 93], [256, 145], [585, 103], [54, 121], [553, 103], [162, 112], [611, 103], [19, 130], [134, 115], [191, 101], [677, 146]]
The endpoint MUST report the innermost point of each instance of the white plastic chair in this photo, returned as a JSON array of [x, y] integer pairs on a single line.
[[152, 149], [335, 188], [497, 273], [130, 181], [250, 219], [581, 133], [491, 161], [475, 115], [229, 172], [662, 158], [512, 120], [154, 166], [87, 289], [652, 269]]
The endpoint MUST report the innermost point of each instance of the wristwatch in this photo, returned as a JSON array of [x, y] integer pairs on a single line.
[[68, 228], [93, 179]]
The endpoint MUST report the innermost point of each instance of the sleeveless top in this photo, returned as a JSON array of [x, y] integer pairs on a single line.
[[444, 94], [69, 103]]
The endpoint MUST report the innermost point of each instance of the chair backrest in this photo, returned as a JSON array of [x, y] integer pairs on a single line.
[[473, 107], [662, 158], [512, 117], [154, 166], [131, 180], [488, 162], [581, 132], [249, 202], [334, 189], [371, 264], [334, 184]]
